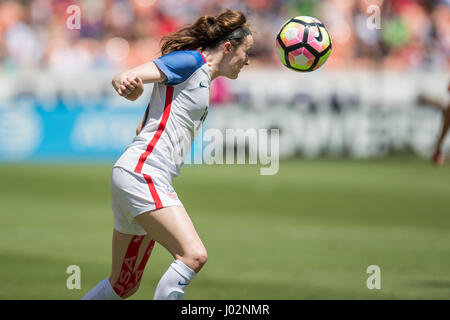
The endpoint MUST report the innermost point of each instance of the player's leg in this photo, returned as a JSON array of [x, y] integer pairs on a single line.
[[173, 229], [130, 254], [438, 157]]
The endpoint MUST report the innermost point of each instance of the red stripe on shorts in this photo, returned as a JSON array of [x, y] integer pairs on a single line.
[[153, 191], [162, 126]]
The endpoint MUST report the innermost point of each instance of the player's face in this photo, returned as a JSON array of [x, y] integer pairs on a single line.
[[238, 58]]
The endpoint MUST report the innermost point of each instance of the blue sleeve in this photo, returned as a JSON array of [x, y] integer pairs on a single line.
[[178, 66]]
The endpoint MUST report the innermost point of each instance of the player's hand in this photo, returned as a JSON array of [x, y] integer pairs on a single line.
[[130, 87]]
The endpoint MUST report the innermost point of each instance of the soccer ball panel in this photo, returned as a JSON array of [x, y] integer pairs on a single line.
[[307, 19], [322, 60], [280, 52], [314, 33], [301, 59], [292, 34]]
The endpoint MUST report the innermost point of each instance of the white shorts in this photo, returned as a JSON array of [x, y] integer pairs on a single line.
[[135, 193]]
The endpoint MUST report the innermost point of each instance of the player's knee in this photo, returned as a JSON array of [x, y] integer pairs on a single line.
[[201, 258], [195, 259]]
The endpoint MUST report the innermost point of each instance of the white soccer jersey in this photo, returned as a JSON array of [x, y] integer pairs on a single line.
[[176, 110]]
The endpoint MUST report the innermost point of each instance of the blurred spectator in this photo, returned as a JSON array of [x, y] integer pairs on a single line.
[[121, 34]]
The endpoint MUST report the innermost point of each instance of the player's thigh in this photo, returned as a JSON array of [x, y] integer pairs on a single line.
[[121, 248], [173, 229]]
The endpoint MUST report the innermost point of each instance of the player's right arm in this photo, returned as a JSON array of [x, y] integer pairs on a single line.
[[129, 84]]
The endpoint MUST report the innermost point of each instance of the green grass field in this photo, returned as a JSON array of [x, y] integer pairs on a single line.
[[309, 232]]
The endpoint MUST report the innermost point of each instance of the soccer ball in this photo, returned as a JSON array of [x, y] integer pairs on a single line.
[[303, 44]]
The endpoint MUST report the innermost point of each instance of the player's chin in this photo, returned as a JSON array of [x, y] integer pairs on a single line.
[[235, 74]]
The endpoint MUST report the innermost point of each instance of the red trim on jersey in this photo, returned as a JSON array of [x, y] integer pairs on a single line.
[[162, 126], [153, 191], [204, 60]]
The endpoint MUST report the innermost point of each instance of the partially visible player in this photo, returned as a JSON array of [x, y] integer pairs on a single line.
[[438, 157], [146, 207]]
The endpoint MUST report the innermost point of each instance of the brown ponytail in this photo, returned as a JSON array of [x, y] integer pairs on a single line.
[[208, 32]]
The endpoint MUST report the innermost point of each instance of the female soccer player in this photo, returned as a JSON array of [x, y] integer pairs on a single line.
[[145, 205], [438, 156]]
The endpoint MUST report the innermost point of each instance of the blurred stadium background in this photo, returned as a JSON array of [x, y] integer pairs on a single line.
[[355, 186]]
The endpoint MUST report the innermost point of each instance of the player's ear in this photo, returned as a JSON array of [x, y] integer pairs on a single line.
[[227, 46]]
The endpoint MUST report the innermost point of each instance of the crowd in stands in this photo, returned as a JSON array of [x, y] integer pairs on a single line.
[[398, 34]]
